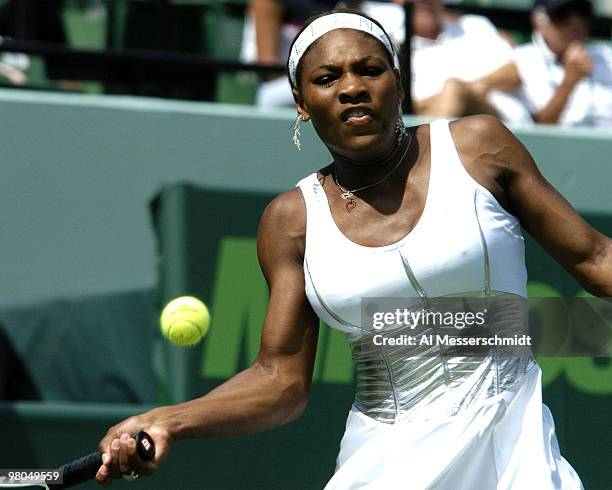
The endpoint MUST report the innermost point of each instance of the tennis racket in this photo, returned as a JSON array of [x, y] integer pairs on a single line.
[[85, 468]]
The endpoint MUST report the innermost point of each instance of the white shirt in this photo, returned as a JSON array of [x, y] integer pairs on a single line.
[[590, 103], [467, 49]]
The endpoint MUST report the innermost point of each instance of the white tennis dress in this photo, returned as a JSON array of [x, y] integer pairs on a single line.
[[434, 421]]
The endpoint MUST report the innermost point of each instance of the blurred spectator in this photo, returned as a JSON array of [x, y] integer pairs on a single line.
[[605, 7], [270, 26], [461, 65], [13, 67], [565, 81]]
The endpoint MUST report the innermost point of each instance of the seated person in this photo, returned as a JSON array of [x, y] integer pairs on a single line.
[[565, 80], [13, 67], [270, 26], [446, 80], [461, 65]]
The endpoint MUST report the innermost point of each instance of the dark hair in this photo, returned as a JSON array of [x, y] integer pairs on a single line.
[[311, 19], [561, 13]]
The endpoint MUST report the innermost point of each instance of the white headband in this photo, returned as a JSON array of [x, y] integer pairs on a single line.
[[327, 23]]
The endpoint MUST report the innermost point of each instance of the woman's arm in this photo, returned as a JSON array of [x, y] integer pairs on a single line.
[[274, 390], [498, 160]]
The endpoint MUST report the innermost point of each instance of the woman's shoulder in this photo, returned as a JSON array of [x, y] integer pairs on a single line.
[[489, 152], [475, 135], [281, 239], [285, 216], [481, 124]]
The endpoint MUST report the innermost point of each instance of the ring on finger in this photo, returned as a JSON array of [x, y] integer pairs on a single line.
[[131, 476]]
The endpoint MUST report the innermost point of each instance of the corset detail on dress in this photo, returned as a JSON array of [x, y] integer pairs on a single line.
[[433, 381]]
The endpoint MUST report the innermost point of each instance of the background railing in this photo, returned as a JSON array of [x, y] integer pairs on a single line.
[[135, 47]]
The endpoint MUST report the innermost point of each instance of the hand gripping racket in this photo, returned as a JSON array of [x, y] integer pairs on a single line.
[[85, 468]]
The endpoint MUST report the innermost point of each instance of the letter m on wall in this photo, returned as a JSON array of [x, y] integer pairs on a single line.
[[239, 301]]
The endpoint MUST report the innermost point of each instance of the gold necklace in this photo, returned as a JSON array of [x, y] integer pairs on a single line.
[[349, 195]]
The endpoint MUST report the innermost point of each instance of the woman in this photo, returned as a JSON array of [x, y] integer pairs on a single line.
[[429, 212]]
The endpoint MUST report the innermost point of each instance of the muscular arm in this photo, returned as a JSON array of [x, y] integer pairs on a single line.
[[495, 157], [274, 390]]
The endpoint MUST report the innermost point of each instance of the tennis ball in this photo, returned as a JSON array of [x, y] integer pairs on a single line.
[[184, 320]]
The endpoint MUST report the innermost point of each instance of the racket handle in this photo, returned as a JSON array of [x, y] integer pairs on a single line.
[[85, 468], [79, 471]]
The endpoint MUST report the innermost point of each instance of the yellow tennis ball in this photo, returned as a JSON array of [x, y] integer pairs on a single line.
[[185, 320]]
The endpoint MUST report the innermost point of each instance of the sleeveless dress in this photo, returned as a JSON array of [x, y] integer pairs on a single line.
[[434, 421]]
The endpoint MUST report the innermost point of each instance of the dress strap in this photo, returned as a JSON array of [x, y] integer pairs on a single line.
[[448, 174], [313, 193], [318, 214]]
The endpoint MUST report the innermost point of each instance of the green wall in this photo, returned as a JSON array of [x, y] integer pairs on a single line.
[[77, 172]]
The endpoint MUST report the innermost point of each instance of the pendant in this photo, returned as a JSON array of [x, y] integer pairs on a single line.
[[350, 205]]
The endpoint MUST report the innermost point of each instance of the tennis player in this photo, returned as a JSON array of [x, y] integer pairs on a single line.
[[425, 212]]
